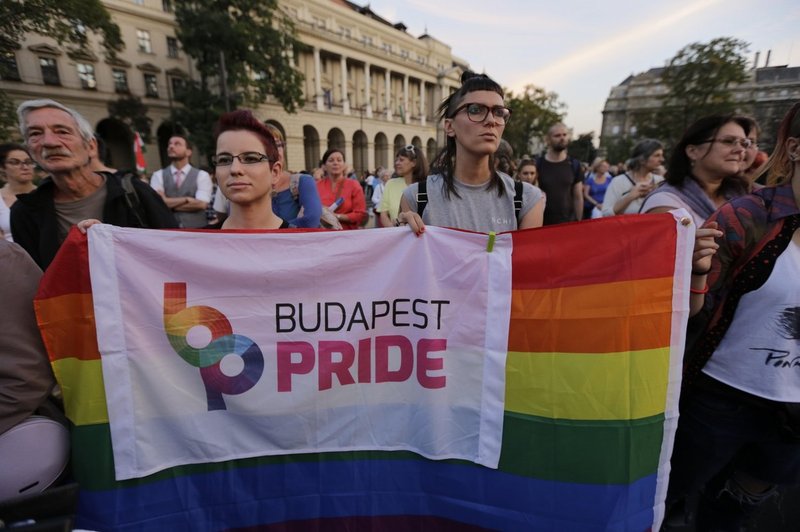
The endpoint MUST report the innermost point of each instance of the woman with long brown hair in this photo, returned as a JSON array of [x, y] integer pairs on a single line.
[[738, 436]]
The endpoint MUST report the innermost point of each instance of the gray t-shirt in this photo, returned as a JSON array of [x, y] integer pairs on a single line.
[[477, 209], [71, 212]]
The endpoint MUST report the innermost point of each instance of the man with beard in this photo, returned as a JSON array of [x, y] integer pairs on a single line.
[[185, 189], [62, 142], [560, 178]]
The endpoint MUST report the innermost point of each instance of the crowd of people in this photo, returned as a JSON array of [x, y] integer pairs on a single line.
[[738, 438]]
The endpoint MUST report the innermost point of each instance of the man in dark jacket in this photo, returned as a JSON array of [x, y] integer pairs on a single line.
[[61, 141]]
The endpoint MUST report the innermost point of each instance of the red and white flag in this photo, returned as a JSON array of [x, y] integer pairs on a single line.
[[138, 150]]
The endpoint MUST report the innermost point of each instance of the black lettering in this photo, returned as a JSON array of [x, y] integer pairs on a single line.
[[328, 326], [279, 317], [376, 314], [422, 315], [395, 312], [303, 326], [357, 310], [439, 303]]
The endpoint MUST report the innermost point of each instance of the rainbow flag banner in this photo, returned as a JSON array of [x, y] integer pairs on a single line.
[[593, 341]]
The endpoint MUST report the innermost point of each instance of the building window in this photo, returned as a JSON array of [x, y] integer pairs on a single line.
[[327, 97], [86, 75], [49, 71], [166, 6], [8, 66], [346, 33], [367, 40], [143, 37], [172, 47], [387, 47], [404, 54], [138, 2], [178, 86], [120, 81], [151, 85]]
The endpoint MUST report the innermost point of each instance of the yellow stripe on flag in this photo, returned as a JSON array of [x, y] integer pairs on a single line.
[[82, 385], [608, 386]]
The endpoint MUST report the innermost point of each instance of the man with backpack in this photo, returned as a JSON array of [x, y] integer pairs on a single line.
[[560, 178], [62, 142]]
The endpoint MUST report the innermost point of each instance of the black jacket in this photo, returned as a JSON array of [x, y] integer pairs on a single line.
[[33, 215]]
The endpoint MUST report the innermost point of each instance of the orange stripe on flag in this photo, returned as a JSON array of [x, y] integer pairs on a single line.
[[603, 318], [68, 327]]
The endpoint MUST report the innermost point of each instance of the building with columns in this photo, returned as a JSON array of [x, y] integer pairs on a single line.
[[766, 95], [369, 86]]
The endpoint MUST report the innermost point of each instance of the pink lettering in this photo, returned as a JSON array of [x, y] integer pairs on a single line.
[[328, 367]]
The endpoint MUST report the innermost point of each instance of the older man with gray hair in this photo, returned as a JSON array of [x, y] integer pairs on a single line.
[[62, 142]]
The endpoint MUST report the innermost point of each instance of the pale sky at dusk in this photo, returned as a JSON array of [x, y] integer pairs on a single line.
[[581, 49]]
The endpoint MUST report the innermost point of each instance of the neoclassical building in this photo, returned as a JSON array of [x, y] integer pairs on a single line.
[[370, 87], [766, 95]]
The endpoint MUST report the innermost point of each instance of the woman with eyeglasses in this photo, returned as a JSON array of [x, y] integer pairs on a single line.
[[295, 197], [247, 166], [738, 436], [627, 191], [16, 169], [704, 169], [410, 167], [344, 197], [465, 190]]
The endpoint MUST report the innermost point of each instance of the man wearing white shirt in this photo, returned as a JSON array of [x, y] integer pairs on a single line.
[[185, 189]]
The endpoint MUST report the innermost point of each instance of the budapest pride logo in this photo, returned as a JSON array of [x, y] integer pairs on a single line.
[[180, 319]]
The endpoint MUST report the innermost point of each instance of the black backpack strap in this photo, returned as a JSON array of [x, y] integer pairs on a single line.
[[517, 199], [422, 196], [132, 199]]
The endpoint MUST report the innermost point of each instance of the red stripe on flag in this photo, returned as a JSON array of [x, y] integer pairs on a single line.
[[578, 254]]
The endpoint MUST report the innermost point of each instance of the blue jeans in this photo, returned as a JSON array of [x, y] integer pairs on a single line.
[[722, 430]]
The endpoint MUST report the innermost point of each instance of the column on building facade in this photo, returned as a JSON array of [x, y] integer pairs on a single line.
[[368, 90], [405, 98], [345, 97], [388, 94], [422, 113], [318, 80]]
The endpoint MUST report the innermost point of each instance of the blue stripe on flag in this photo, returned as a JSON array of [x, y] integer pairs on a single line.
[[340, 489]]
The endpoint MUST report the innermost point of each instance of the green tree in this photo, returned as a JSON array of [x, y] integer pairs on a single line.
[[243, 51], [583, 147], [699, 81], [132, 112], [67, 21], [532, 112]]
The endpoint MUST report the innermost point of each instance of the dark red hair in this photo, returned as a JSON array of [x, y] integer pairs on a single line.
[[244, 120]]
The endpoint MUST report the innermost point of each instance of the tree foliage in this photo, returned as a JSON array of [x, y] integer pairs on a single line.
[[254, 40], [583, 148], [132, 112], [197, 116], [533, 111], [699, 81], [67, 21]]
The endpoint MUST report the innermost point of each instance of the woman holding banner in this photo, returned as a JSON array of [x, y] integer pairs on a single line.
[[738, 436], [465, 191]]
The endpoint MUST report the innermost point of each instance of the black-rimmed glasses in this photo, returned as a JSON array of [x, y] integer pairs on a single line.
[[248, 157], [477, 112]]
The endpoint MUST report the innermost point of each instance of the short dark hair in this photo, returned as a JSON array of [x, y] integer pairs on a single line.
[[329, 152], [7, 148], [244, 120]]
